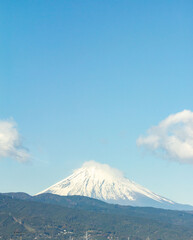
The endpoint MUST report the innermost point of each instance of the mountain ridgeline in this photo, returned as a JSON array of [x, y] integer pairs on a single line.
[[49, 216], [105, 183], [98, 201]]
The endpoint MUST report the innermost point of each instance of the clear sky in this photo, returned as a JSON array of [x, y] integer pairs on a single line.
[[83, 80]]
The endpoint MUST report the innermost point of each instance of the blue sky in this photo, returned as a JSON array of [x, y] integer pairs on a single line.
[[84, 79]]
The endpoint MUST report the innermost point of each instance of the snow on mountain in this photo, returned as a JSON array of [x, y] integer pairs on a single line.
[[102, 182]]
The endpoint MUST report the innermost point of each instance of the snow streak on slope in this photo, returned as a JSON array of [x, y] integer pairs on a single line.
[[105, 183]]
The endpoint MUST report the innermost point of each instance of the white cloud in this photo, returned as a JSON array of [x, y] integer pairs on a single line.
[[172, 137], [103, 168], [10, 142]]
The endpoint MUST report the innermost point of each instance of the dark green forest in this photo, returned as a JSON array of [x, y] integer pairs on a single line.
[[49, 216]]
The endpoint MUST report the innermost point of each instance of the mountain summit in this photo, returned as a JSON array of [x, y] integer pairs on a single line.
[[102, 182]]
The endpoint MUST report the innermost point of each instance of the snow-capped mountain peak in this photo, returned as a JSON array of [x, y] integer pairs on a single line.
[[103, 182]]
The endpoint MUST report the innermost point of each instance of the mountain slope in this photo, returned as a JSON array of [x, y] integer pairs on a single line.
[[35, 220], [102, 182]]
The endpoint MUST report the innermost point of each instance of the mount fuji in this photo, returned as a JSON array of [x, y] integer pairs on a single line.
[[100, 181]]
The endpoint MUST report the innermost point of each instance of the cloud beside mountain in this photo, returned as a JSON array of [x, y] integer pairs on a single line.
[[172, 138], [10, 142]]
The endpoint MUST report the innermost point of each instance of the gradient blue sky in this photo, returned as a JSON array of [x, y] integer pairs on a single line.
[[84, 79]]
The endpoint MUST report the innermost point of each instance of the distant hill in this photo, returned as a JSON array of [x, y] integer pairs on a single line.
[[49, 216]]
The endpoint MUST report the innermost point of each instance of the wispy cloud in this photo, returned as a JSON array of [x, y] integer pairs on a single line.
[[172, 137], [10, 142]]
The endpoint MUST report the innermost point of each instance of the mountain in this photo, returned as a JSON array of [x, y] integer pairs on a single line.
[[102, 182], [74, 215]]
